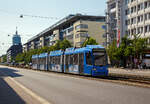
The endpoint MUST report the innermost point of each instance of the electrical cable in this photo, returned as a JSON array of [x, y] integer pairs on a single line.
[[26, 15]]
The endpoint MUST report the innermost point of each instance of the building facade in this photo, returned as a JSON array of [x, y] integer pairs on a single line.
[[16, 39], [75, 28], [114, 20], [15, 49], [127, 17]]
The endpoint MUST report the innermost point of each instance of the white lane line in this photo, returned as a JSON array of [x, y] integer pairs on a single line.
[[28, 91]]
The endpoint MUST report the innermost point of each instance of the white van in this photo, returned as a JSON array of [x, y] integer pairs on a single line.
[[146, 60]]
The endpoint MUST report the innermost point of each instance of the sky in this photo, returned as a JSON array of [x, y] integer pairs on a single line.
[[29, 26]]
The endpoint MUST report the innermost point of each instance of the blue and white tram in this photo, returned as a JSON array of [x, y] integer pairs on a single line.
[[35, 62], [43, 61], [56, 61], [89, 60]]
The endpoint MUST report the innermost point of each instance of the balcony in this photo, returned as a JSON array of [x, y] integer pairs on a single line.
[[113, 10]]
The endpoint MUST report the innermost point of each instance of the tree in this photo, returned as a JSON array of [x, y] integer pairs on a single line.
[[128, 50], [89, 41], [62, 45], [114, 53], [65, 44], [26, 57], [20, 57], [57, 45], [4, 57], [139, 44]]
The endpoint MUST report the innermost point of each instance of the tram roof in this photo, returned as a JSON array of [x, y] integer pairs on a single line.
[[88, 48], [43, 55], [56, 53], [94, 46], [35, 56], [78, 50]]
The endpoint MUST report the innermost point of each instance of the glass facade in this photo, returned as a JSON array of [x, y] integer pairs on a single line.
[[16, 39]]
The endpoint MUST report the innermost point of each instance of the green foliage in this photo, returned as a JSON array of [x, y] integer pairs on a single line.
[[128, 51], [57, 45], [128, 47], [89, 41], [4, 57], [65, 44], [62, 45], [113, 51], [20, 57], [26, 57]]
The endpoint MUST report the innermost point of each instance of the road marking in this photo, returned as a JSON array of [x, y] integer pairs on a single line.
[[28, 91]]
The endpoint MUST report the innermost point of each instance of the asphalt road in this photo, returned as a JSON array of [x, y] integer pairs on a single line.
[[61, 89]]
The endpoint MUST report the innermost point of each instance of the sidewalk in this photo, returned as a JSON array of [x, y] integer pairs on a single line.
[[10, 93], [7, 94], [136, 72]]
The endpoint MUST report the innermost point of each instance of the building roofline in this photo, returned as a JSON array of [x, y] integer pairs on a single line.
[[63, 21]]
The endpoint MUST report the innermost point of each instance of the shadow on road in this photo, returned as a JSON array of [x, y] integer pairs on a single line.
[[7, 94], [9, 72]]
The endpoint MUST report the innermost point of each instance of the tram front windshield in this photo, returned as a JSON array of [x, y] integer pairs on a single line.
[[100, 58]]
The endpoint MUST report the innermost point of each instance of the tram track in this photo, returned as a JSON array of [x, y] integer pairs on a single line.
[[130, 78], [135, 80]]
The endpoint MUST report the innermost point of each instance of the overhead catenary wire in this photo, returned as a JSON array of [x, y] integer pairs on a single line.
[[34, 16], [22, 15]]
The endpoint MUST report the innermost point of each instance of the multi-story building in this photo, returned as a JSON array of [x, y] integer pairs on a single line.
[[114, 20], [16, 39], [127, 17], [75, 28], [15, 49]]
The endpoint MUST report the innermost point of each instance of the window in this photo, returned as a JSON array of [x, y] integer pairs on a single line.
[[88, 58], [83, 35], [141, 29], [145, 4], [145, 16], [75, 59], [70, 29], [71, 59], [85, 26], [127, 1], [141, 17], [146, 29], [69, 36], [77, 36], [148, 15], [138, 30], [100, 57]]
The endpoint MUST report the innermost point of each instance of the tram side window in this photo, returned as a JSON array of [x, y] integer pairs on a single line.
[[39, 60], [51, 60], [88, 58], [71, 59], [33, 61], [67, 59], [81, 62], [43, 60], [81, 58], [75, 59], [57, 61]]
